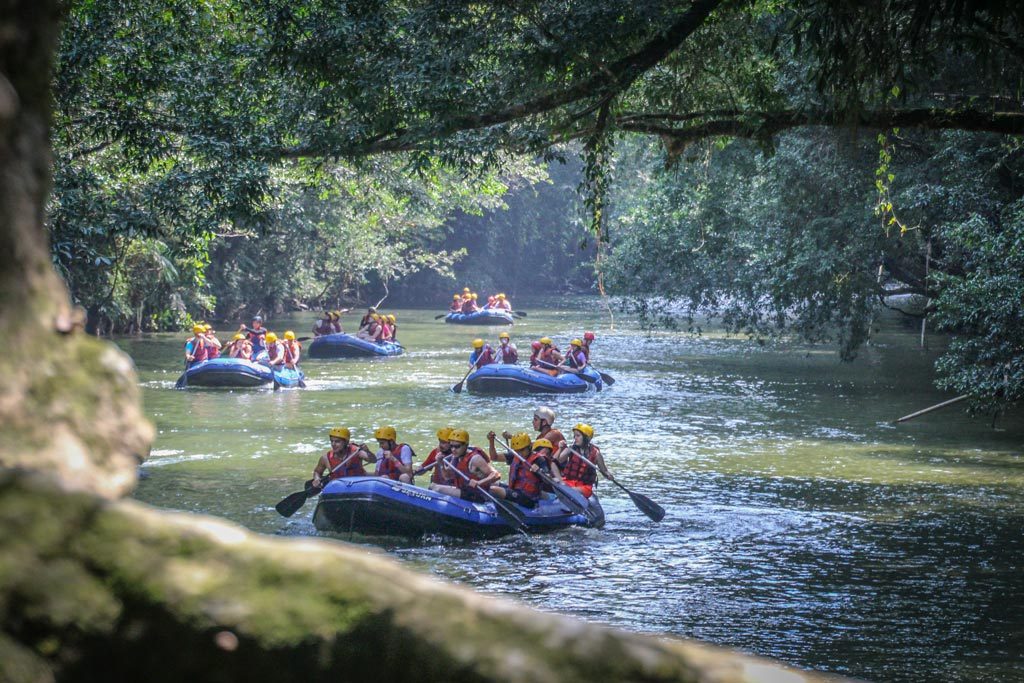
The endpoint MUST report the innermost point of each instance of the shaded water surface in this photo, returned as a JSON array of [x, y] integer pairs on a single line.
[[801, 523]]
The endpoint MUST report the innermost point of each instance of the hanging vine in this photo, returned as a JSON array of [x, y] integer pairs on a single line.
[[597, 175]]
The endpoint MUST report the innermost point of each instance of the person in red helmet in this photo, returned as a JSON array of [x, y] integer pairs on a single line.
[[588, 338], [536, 346]]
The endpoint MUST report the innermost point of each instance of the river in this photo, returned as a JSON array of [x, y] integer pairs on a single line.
[[801, 525]]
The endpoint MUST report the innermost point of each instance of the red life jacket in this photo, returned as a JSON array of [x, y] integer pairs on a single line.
[[200, 351], [586, 351], [336, 327], [485, 357], [456, 307], [385, 332], [522, 479], [440, 473], [212, 351], [462, 465], [291, 352], [508, 354], [388, 467], [548, 355], [273, 353], [353, 468], [575, 469]]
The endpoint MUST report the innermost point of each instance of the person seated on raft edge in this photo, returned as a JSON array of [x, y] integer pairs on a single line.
[[549, 354], [525, 486], [575, 472], [472, 462], [536, 346], [344, 459], [483, 354], [275, 352], [366, 319], [371, 331], [503, 303], [576, 358], [394, 460], [336, 320], [240, 347], [491, 303], [393, 325], [439, 474], [292, 350], [588, 338], [213, 344], [387, 332], [456, 306], [469, 304], [508, 354], [256, 334], [324, 325], [196, 348]]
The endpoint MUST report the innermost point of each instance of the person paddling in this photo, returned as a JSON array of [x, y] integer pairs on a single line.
[[439, 474], [275, 351], [536, 346], [456, 306], [324, 325], [508, 354], [525, 485], [393, 325], [543, 424], [240, 347], [503, 303], [344, 459], [483, 354], [588, 339], [292, 350], [474, 464], [575, 471], [196, 350], [576, 358], [394, 460], [213, 345], [256, 334], [548, 354]]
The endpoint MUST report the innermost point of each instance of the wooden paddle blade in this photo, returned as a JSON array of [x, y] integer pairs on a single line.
[[647, 506]]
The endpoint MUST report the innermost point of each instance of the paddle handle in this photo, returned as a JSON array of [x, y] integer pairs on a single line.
[[541, 473], [340, 465]]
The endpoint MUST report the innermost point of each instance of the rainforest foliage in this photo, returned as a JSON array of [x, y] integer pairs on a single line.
[[781, 163]]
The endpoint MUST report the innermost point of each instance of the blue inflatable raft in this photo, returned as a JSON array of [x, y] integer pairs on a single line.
[[517, 379], [377, 506], [486, 317], [236, 372], [343, 345]]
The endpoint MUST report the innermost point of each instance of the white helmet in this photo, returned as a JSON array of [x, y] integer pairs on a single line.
[[546, 414]]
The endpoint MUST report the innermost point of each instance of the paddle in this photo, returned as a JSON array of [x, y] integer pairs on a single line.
[[566, 368], [182, 382], [443, 315], [570, 497], [514, 518], [643, 503], [519, 314], [291, 503], [458, 387]]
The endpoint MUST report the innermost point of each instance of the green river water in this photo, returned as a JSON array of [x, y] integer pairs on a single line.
[[801, 523]]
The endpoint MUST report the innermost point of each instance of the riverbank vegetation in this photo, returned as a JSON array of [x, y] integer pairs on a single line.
[[783, 165]]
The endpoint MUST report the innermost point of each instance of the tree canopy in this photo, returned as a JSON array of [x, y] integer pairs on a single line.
[[360, 132]]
